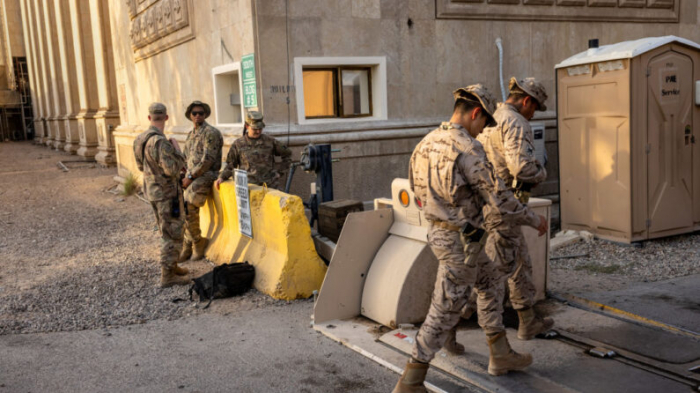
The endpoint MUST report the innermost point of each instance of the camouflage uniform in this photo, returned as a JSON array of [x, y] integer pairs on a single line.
[[161, 164], [257, 157], [510, 148], [450, 175], [203, 154]]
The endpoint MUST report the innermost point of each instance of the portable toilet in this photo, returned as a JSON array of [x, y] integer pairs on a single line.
[[629, 120]]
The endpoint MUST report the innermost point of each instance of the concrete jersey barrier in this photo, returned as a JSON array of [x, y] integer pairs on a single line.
[[282, 251]]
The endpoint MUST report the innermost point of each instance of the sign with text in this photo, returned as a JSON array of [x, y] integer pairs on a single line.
[[245, 223], [250, 88]]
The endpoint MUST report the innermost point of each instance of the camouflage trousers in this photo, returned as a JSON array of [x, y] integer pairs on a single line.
[[509, 252], [171, 231], [453, 285], [196, 196]]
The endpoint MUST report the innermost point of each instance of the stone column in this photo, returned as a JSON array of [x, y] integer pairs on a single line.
[[107, 117], [70, 78], [86, 76], [58, 111], [47, 118], [34, 70]]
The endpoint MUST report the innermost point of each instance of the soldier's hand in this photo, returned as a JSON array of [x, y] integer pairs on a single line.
[[175, 144], [186, 182], [542, 228], [218, 183]]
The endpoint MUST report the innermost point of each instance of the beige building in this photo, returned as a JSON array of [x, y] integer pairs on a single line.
[[371, 77]]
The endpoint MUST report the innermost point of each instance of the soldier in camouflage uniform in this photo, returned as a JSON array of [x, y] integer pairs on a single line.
[[510, 148], [203, 157], [160, 161], [255, 153], [455, 183]]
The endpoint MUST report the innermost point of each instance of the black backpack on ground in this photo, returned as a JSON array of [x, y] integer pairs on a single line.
[[229, 279]]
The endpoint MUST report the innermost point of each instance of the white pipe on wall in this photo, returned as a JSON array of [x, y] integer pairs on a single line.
[[500, 67]]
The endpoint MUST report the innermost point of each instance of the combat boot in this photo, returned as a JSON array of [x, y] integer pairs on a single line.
[[180, 271], [503, 358], [412, 379], [199, 248], [451, 345], [531, 325], [168, 278], [186, 252]]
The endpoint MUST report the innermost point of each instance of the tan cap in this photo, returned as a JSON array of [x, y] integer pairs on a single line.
[[254, 119], [479, 92], [531, 87], [157, 108], [207, 109]]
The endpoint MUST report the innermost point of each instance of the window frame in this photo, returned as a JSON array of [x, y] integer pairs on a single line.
[[226, 69], [378, 88]]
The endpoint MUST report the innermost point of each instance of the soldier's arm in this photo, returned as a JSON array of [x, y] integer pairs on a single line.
[[232, 162], [520, 155], [137, 154], [501, 207], [284, 152], [212, 152], [171, 160]]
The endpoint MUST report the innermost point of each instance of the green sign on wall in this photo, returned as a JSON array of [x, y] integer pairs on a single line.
[[250, 90]]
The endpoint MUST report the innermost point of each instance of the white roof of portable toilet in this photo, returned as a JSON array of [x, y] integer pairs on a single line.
[[623, 50]]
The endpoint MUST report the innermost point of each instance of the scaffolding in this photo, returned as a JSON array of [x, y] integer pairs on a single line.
[[16, 119]]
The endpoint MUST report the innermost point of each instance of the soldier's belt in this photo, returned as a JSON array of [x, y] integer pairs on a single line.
[[446, 225]]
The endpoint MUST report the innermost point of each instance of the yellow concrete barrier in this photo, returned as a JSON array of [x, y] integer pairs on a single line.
[[282, 251]]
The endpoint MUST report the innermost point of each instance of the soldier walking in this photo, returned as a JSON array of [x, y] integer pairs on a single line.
[[255, 153], [462, 198], [160, 160], [510, 149], [203, 157]]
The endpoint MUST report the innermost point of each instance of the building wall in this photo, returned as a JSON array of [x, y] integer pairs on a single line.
[[430, 48]]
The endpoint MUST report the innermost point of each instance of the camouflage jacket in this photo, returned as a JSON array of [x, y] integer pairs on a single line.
[[511, 149], [160, 164], [203, 150], [257, 157], [450, 175]]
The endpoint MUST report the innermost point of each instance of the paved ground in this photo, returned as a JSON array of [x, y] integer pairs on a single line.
[[65, 326], [66, 244]]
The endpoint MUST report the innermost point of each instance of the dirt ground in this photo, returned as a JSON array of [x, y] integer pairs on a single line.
[[74, 255]]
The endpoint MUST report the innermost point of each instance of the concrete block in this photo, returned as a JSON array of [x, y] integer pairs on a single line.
[[282, 251]]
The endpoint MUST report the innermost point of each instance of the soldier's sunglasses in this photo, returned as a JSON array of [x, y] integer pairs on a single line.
[[197, 113]]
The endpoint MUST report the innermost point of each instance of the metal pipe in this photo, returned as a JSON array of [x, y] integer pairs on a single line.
[[292, 167], [499, 44]]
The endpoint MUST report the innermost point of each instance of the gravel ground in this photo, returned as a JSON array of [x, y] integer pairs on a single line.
[[75, 256], [654, 260]]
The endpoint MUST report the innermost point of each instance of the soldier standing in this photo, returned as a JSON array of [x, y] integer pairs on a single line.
[[255, 153], [160, 160], [510, 149], [461, 198], [203, 156]]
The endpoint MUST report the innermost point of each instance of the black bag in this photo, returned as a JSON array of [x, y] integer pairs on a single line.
[[229, 279]]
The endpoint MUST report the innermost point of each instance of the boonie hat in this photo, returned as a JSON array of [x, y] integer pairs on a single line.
[[480, 93], [157, 108], [254, 119], [531, 87], [207, 109]]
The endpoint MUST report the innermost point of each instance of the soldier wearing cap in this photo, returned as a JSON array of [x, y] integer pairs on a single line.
[[203, 157], [510, 148], [255, 153], [462, 199], [160, 160]]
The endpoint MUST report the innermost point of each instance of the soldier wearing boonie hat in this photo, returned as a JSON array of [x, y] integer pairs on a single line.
[[454, 182], [255, 153], [510, 148], [203, 154]]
